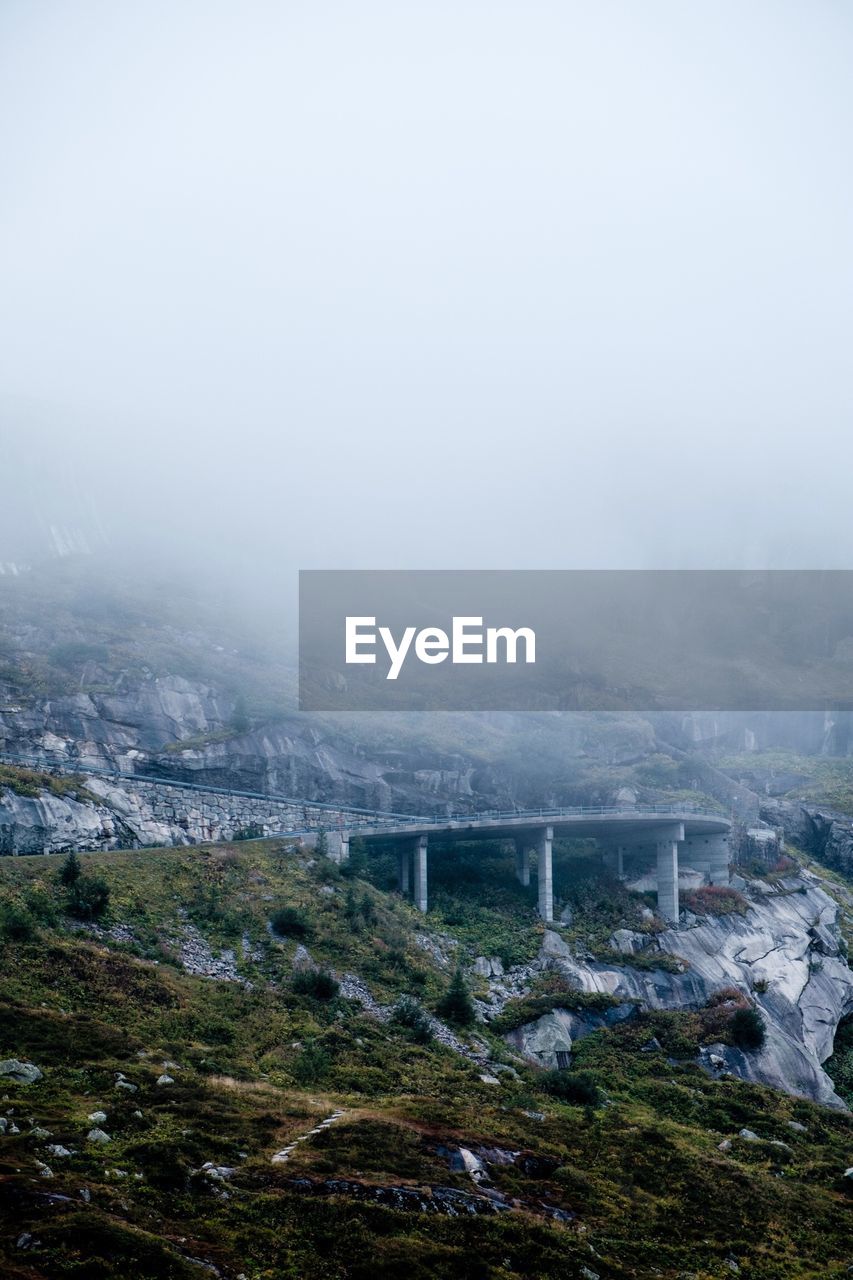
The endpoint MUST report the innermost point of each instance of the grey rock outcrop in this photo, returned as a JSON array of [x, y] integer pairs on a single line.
[[771, 954], [20, 1072], [552, 1036], [817, 830], [54, 824]]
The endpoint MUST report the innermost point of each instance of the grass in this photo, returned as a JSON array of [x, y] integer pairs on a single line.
[[31, 783], [257, 1064], [820, 780]]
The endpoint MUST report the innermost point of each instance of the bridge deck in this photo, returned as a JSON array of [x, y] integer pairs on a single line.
[[581, 823]]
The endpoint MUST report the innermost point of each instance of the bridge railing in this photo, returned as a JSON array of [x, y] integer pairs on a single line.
[[462, 820]]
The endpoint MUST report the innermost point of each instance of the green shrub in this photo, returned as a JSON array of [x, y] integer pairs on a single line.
[[16, 923], [747, 1030], [88, 897], [70, 871], [578, 1088], [311, 1064], [251, 831], [163, 1164], [456, 1005], [291, 922], [319, 984], [356, 864], [648, 960], [409, 1015]]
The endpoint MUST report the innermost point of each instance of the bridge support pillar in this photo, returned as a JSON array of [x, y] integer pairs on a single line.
[[667, 858], [522, 862], [544, 874], [420, 866]]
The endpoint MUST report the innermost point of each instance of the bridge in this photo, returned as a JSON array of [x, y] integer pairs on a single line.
[[663, 837]]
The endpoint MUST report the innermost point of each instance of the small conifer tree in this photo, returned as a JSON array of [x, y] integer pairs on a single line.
[[456, 1005]]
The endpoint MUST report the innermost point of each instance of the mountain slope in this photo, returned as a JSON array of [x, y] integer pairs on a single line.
[[429, 1167]]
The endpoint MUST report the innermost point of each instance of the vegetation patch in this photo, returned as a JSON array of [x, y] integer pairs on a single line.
[[715, 900], [254, 1067], [31, 783]]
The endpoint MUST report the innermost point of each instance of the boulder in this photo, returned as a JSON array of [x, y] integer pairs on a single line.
[[20, 1072], [541, 1041], [628, 940]]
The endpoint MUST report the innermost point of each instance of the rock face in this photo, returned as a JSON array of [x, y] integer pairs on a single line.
[[817, 830], [171, 726], [136, 813], [548, 1041], [786, 953], [54, 824]]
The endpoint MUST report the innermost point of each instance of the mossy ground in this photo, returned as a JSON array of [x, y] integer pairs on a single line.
[[257, 1066]]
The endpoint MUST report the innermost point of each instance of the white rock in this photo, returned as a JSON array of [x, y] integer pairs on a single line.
[[165, 1079], [98, 1136]]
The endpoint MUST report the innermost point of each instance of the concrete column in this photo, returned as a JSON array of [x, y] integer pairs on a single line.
[[420, 865], [522, 861], [667, 853], [719, 856], [544, 874], [404, 856]]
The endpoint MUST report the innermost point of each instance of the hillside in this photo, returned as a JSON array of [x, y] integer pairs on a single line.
[[191, 1043]]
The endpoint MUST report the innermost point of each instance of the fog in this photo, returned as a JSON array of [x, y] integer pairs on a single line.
[[439, 285]]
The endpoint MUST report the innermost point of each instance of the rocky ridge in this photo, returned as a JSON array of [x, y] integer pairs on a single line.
[[787, 953]]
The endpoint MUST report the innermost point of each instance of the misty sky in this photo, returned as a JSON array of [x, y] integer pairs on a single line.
[[432, 285]]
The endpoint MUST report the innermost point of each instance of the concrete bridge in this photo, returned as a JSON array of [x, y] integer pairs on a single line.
[[630, 839]]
